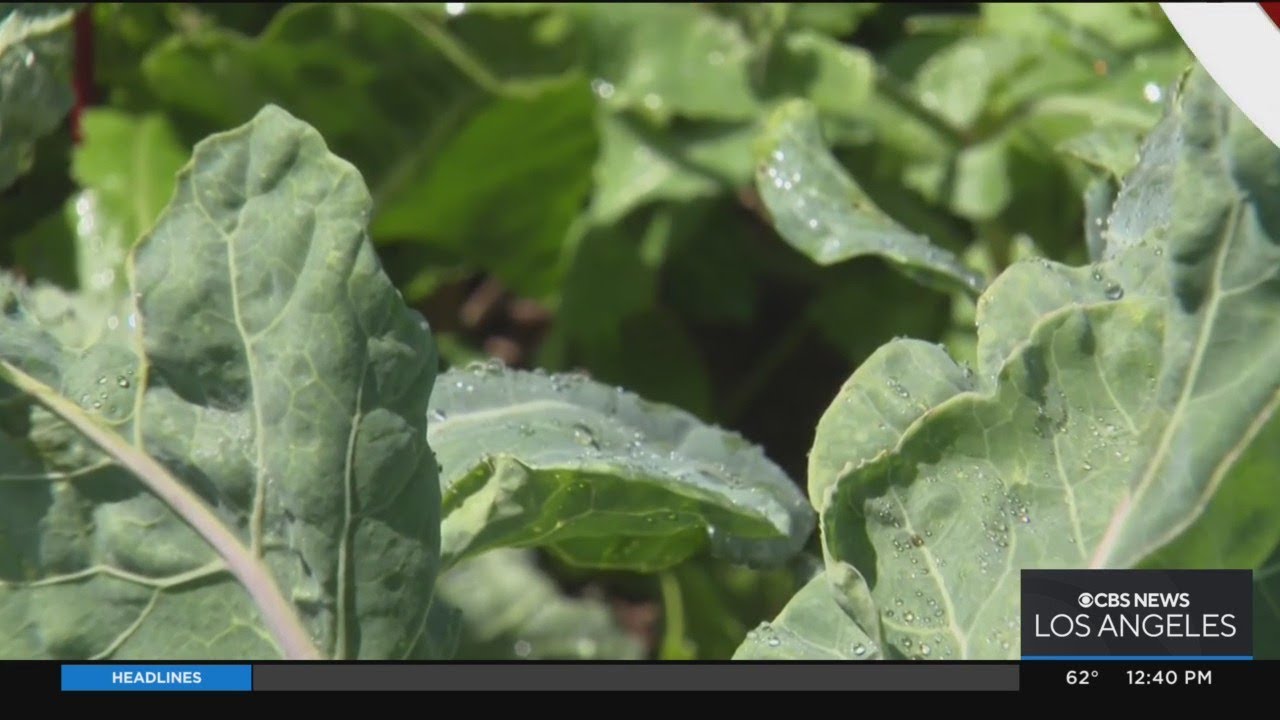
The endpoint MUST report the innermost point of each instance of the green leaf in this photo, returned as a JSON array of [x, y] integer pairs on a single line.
[[819, 209], [811, 627], [510, 49], [241, 469], [130, 162], [442, 136], [640, 164], [127, 166], [600, 477], [35, 75], [1091, 26], [530, 157], [957, 82], [1114, 150], [835, 19], [838, 79], [1241, 523], [667, 59], [710, 605], [1110, 405], [379, 91], [513, 610]]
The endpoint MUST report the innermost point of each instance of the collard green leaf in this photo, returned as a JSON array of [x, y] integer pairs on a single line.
[[1240, 525], [819, 209], [270, 385], [1110, 406], [35, 79], [811, 627], [600, 476], [513, 610]]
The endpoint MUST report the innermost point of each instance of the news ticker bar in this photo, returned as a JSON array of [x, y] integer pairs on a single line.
[[537, 676], [1076, 674]]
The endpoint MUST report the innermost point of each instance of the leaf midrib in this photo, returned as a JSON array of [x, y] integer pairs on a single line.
[[471, 417], [1102, 554]]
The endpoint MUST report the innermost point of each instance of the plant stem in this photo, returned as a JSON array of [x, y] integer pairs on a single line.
[[459, 54], [904, 98], [674, 646], [277, 612], [83, 73]]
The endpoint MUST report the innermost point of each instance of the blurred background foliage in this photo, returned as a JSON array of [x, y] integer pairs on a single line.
[[571, 186]]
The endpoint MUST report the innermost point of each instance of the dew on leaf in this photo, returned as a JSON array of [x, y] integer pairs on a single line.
[[584, 436]]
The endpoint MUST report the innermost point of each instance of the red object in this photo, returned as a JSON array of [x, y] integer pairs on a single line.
[[82, 81], [1272, 9]]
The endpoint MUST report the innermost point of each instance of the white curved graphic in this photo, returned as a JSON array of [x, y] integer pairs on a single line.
[[1239, 45]]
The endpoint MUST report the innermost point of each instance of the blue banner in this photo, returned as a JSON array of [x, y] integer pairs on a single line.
[[165, 678]]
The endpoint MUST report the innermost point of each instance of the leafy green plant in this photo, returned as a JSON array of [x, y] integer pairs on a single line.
[[253, 397], [1114, 415]]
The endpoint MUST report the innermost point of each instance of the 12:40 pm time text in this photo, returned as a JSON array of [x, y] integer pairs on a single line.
[[1169, 677]]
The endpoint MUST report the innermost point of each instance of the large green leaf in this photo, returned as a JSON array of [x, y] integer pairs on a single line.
[[35, 80], [512, 610], [1110, 405], [240, 469], [600, 476], [818, 208]]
